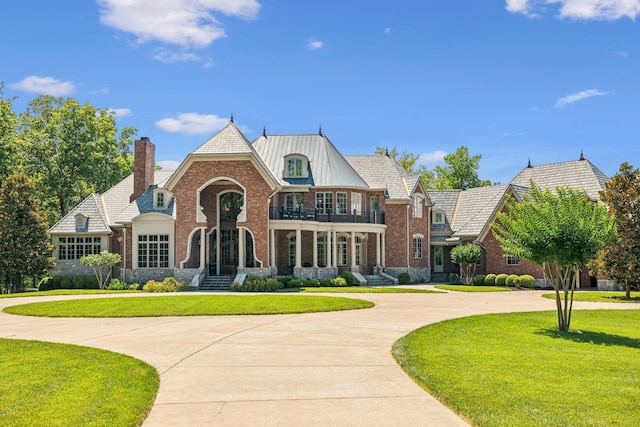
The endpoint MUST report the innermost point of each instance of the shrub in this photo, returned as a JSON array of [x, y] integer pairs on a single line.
[[295, 283], [91, 282], [285, 281], [117, 285], [501, 279], [527, 281], [478, 279], [169, 284], [324, 282], [257, 284], [339, 282], [490, 279], [454, 278], [312, 283], [349, 277], [511, 280], [45, 284], [66, 282], [134, 286], [404, 278]]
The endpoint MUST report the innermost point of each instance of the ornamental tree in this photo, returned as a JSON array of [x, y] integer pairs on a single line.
[[621, 259], [102, 265], [25, 248], [561, 231], [467, 257]]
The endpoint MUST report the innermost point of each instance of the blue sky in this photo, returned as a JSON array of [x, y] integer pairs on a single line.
[[511, 80]]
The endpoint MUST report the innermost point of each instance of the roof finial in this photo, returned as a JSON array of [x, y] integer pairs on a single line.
[[231, 117], [264, 131], [529, 164], [582, 155], [320, 131], [386, 151]]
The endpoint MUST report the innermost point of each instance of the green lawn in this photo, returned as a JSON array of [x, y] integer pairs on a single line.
[[367, 290], [518, 370], [47, 384], [600, 296], [187, 305], [63, 292], [469, 288]]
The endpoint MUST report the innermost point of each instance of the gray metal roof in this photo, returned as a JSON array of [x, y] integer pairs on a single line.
[[580, 174], [328, 167], [92, 208], [382, 172]]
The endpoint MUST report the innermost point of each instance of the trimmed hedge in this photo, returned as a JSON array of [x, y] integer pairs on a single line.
[[527, 281], [512, 280], [490, 279], [478, 279], [404, 278], [501, 279], [169, 284]]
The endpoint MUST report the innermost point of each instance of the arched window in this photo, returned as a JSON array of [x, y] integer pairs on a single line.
[[295, 166]]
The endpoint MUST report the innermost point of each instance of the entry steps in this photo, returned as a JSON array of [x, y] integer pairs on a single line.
[[216, 283]]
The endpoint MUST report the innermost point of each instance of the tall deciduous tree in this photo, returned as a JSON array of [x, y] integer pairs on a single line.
[[560, 231], [460, 171], [8, 128], [467, 256], [25, 249], [73, 150], [621, 259]]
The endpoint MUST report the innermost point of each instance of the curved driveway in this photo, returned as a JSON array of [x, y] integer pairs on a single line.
[[319, 369]]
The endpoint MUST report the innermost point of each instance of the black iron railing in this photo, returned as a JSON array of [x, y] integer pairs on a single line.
[[368, 217]]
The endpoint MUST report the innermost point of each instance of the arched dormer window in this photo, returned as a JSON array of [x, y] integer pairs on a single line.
[[295, 166], [161, 199], [81, 221]]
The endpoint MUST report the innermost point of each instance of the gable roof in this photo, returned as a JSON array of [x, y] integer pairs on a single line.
[[475, 209], [383, 172], [579, 174], [228, 141], [327, 166]]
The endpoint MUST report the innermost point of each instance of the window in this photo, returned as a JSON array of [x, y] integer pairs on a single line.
[[438, 217], [374, 205], [76, 247], [81, 220], [356, 203], [293, 202], [512, 260], [153, 251], [358, 250], [322, 251], [292, 251], [295, 166], [160, 199], [324, 203], [342, 250], [341, 203], [417, 247], [417, 207]]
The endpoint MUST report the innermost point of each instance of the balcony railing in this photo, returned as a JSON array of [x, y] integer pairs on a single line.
[[360, 217]]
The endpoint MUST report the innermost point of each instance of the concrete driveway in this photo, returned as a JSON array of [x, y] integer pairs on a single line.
[[316, 369]]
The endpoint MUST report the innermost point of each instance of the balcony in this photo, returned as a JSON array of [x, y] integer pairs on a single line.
[[358, 217]]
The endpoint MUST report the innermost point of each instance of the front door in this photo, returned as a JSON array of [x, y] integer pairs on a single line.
[[228, 252], [438, 259]]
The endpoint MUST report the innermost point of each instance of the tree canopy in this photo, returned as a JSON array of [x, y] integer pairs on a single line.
[[25, 249], [467, 256], [561, 231], [459, 171], [621, 259], [102, 265]]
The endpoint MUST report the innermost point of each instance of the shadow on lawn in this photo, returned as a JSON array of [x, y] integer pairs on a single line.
[[591, 337]]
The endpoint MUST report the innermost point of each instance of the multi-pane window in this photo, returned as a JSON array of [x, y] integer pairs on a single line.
[[160, 199], [342, 250], [358, 251], [438, 217], [417, 247], [356, 203], [153, 251], [292, 251], [417, 207], [324, 203], [322, 251], [294, 167], [512, 260], [77, 247], [293, 202], [341, 203]]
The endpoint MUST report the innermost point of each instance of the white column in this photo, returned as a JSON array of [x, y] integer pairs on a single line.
[[384, 249], [329, 250], [353, 249], [315, 249], [378, 237], [272, 247], [298, 248], [203, 246], [241, 248]]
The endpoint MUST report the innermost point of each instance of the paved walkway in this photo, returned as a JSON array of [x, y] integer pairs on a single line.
[[314, 369]]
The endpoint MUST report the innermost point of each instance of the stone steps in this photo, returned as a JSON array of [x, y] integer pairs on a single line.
[[375, 280], [216, 283]]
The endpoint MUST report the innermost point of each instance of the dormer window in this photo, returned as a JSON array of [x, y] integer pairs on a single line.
[[81, 221], [295, 166], [438, 217], [160, 199]]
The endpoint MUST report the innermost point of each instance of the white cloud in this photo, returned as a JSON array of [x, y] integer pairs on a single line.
[[188, 23], [313, 44], [570, 99], [168, 165], [120, 112], [44, 86], [387, 30], [432, 157], [168, 57], [579, 9], [622, 54], [192, 123]]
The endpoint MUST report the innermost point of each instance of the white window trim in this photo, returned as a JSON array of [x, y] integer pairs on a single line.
[[435, 216], [304, 171], [81, 220]]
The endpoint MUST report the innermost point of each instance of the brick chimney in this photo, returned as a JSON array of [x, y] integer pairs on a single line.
[[144, 153]]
